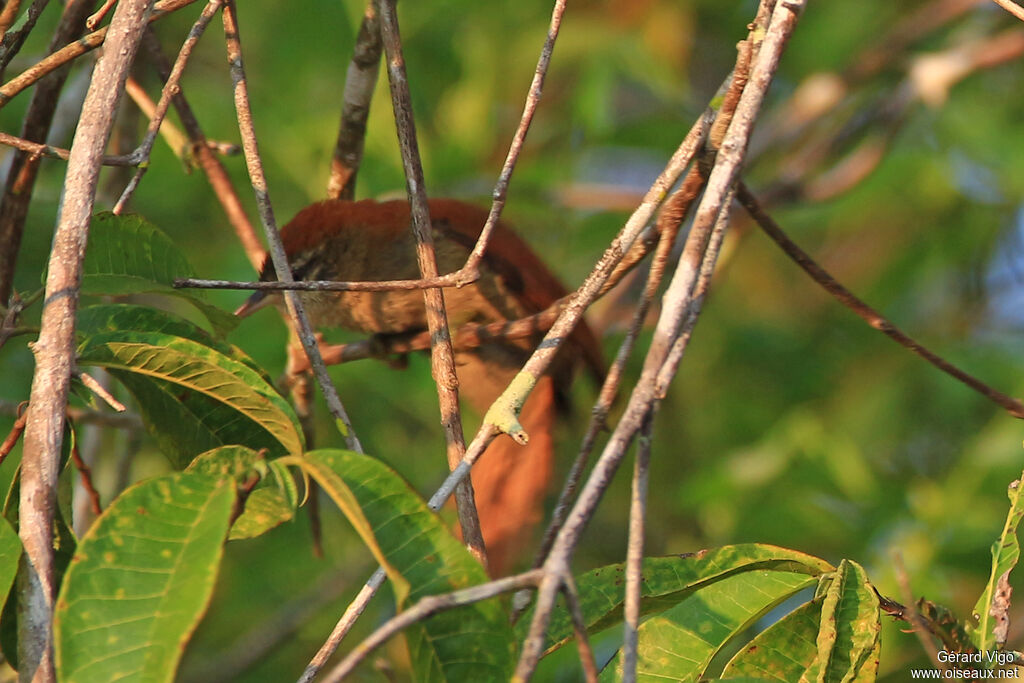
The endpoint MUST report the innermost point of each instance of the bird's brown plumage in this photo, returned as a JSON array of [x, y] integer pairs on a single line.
[[367, 240]]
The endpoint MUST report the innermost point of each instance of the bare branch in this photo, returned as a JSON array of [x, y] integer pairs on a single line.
[[865, 312], [635, 553], [442, 357], [360, 81], [74, 50], [427, 607], [54, 350], [296, 310], [171, 88]]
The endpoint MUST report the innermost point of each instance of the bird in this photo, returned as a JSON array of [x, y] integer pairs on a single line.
[[366, 240]]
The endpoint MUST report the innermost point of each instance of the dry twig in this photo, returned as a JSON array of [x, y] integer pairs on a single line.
[[864, 311], [360, 81], [296, 310], [442, 357], [54, 350]]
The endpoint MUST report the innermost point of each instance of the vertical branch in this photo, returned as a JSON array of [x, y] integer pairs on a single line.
[[215, 172], [678, 305], [635, 553], [442, 357], [529, 109], [54, 350], [22, 175], [171, 87], [8, 15], [360, 81], [296, 311]]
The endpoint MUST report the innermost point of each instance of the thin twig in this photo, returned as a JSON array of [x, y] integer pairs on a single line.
[[171, 87], [1011, 7], [52, 152], [54, 350], [21, 176], [95, 387], [96, 17], [360, 81], [448, 280], [74, 50], [86, 473], [17, 429], [635, 552], [863, 310], [678, 300], [207, 160], [500, 192], [344, 625], [442, 357], [579, 628], [911, 614], [12, 42], [296, 310], [427, 607]]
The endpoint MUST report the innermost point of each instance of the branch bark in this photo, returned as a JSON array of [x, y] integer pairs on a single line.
[[55, 348]]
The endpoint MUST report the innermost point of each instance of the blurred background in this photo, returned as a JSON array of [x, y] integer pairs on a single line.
[[890, 147]]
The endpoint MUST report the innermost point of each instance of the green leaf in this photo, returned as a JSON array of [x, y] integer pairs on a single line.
[[130, 255], [10, 553], [994, 603], [94, 320], [270, 503], [668, 581], [847, 643], [470, 643], [194, 398], [141, 579], [680, 643], [782, 652]]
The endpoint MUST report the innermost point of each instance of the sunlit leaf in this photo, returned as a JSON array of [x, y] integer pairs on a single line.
[[991, 610], [141, 579], [270, 503], [679, 644], [100, 318], [194, 398], [471, 643], [129, 255], [670, 580]]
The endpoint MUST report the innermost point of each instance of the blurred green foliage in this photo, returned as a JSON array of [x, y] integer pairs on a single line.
[[791, 422]]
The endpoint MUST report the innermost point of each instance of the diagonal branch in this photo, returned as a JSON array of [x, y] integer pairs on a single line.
[[74, 50], [677, 312], [442, 357], [55, 347], [296, 311], [360, 81], [864, 311]]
